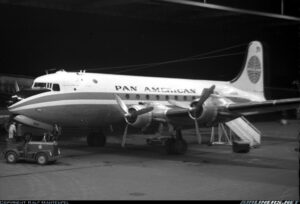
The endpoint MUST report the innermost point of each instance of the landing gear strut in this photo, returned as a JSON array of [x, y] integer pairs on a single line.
[[96, 139], [176, 145]]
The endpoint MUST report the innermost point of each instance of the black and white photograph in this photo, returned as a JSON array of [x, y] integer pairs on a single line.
[[149, 100]]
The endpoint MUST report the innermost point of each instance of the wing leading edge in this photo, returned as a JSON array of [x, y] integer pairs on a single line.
[[233, 110]]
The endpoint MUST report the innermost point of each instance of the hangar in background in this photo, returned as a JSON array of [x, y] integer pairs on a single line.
[[102, 35]]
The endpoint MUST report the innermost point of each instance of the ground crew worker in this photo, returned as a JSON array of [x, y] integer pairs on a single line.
[[56, 132], [12, 131]]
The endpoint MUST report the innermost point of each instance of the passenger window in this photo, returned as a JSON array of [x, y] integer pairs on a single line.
[[138, 96], [127, 96], [167, 97], [157, 97], [176, 98], [184, 98], [56, 87], [147, 97]]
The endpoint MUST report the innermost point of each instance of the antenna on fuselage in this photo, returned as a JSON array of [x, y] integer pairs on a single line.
[[81, 72]]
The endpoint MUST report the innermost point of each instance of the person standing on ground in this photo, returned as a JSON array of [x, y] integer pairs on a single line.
[[12, 131]]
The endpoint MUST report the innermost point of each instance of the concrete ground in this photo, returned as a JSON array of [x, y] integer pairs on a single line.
[[142, 172]]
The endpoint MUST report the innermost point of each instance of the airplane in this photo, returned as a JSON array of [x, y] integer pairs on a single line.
[[96, 102]]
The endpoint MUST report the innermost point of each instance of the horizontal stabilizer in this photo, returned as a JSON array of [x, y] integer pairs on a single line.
[[245, 130]]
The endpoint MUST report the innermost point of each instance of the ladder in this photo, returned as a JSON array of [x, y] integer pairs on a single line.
[[245, 131]]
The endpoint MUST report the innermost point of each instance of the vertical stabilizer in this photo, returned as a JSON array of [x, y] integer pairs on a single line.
[[251, 78]]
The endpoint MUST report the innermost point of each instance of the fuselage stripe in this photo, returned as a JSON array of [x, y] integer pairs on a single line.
[[76, 102]]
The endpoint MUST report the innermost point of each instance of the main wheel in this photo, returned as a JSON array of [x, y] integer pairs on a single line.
[[96, 139], [11, 157], [176, 146], [42, 158]]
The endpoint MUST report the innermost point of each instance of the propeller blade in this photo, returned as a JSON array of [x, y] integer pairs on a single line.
[[199, 137], [124, 136], [178, 104], [206, 94], [17, 88], [121, 104]]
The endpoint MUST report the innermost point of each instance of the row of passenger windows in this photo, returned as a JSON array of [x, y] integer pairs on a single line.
[[158, 97], [54, 87]]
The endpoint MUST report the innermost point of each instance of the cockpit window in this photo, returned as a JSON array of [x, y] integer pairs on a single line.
[[55, 87], [40, 85]]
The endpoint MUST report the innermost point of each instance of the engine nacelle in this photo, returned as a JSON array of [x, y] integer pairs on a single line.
[[140, 121], [208, 115]]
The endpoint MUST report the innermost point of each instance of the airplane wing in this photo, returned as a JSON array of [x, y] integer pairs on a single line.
[[233, 110], [252, 108], [215, 112]]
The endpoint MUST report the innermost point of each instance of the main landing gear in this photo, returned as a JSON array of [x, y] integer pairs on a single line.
[[176, 144], [96, 139]]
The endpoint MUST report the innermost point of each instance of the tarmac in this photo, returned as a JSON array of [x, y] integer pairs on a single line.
[[144, 172]]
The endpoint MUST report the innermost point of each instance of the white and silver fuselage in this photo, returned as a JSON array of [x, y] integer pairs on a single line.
[[87, 99]]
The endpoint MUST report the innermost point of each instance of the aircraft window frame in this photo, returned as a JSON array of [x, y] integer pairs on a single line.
[[138, 96], [127, 96], [193, 97], [40, 85], [54, 85], [184, 98], [147, 97], [176, 98], [49, 86], [167, 97], [157, 97]]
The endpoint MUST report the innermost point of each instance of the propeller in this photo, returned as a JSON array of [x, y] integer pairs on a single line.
[[129, 115], [204, 96], [17, 88], [197, 109], [13, 96]]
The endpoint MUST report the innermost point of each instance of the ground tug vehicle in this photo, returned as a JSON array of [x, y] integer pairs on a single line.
[[42, 152]]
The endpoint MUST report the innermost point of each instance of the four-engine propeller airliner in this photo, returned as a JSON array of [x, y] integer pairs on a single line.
[[97, 101]]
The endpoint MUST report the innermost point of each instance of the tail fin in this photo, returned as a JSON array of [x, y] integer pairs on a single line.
[[251, 78]]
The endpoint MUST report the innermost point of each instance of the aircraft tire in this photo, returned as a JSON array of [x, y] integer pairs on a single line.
[[96, 139], [176, 146]]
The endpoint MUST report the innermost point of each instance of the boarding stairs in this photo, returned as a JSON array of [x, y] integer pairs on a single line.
[[245, 131], [239, 127]]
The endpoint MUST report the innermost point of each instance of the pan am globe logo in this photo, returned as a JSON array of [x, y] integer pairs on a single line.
[[254, 69]]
